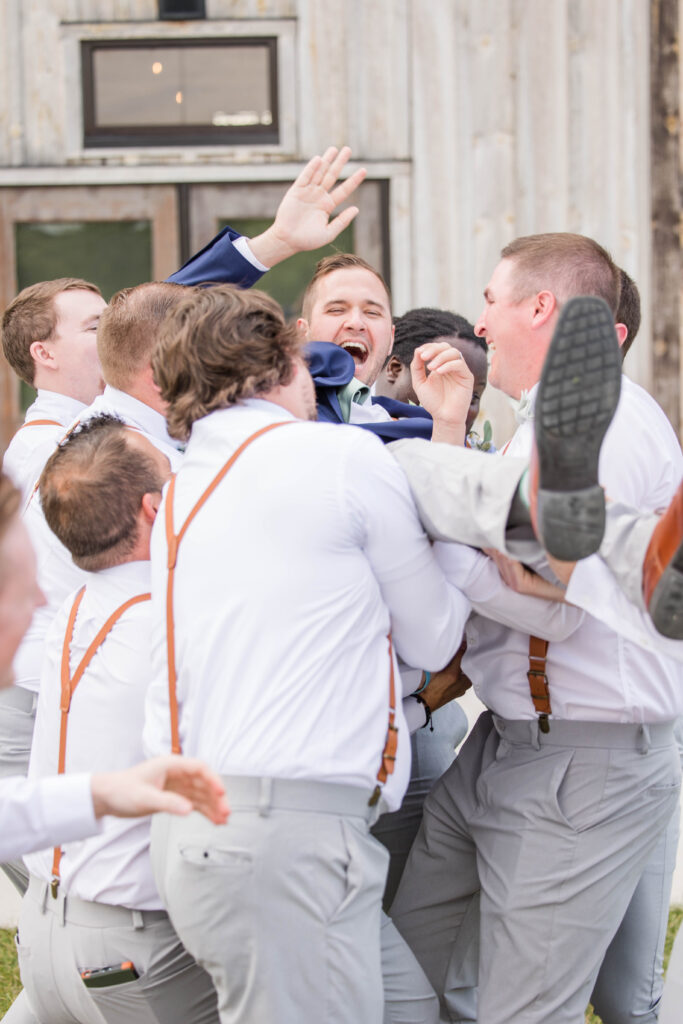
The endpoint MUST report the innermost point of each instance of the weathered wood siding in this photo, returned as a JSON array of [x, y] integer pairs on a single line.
[[491, 118]]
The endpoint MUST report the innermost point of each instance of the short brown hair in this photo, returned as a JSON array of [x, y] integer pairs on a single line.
[[628, 312], [91, 489], [337, 261], [566, 264], [218, 346], [129, 327], [32, 316]]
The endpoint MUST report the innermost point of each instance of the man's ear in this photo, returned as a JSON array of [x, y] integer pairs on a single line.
[[42, 355], [544, 306], [302, 327], [622, 333], [150, 505], [393, 369]]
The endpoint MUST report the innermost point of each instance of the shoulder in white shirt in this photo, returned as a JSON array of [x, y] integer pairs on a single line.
[[104, 734], [34, 442]]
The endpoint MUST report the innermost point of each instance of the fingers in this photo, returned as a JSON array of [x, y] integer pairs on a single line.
[[440, 357], [310, 170], [346, 188], [194, 782], [336, 165], [323, 169], [341, 221]]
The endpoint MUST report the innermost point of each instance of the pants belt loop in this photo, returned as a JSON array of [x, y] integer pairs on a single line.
[[534, 734], [643, 739], [138, 920], [265, 796]]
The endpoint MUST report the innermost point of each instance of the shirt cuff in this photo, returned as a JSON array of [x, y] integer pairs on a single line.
[[414, 713], [242, 246], [67, 807]]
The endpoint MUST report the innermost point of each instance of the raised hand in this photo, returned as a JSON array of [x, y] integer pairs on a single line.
[[304, 217], [446, 391]]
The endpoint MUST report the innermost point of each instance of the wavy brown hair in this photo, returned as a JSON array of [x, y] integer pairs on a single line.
[[217, 347]]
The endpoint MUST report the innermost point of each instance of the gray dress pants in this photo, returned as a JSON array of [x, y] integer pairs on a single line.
[[552, 834], [57, 939], [282, 906]]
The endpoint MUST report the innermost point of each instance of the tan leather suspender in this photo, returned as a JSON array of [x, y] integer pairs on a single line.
[[69, 684], [538, 680], [173, 541], [38, 423]]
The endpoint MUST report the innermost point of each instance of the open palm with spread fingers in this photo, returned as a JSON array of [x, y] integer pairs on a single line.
[[304, 217]]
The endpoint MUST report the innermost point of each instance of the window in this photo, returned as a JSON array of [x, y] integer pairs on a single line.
[[180, 92], [181, 9]]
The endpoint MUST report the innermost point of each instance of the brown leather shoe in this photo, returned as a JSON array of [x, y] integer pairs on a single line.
[[663, 571], [577, 398]]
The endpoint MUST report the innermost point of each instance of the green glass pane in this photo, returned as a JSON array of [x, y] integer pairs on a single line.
[[111, 254], [287, 281]]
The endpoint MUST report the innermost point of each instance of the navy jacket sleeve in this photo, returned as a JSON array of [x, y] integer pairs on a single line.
[[219, 262]]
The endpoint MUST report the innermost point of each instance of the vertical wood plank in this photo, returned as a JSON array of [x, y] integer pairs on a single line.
[[666, 207]]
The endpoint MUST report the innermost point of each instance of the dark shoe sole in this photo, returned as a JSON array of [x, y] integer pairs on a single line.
[[666, 603], [577, 398]]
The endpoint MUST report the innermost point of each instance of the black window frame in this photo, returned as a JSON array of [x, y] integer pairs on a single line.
[[177, 135], [195, 9]]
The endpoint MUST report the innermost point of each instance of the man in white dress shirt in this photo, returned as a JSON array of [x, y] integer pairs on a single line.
[[33, 814], [282, 596], [553, 827], [94, 905], [49, 338]]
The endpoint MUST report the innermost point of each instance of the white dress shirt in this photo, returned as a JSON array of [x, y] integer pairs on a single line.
[[31, 447], [104, 734], [34, 814], [595, 674], [285, 589], [57, 574]]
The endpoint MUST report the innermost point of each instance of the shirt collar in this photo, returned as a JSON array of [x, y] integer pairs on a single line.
[[137, 414], [59, 406]]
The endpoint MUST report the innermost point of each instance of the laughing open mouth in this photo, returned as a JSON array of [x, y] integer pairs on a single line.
[[358, 350]]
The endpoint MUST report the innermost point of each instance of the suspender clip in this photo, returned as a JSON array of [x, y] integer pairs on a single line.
[[374, 798], [54, 887], [544, 723]]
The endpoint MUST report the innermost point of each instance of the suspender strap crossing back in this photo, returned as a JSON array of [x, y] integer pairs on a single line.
[[538, 680], [38, 423], [69, 684], [173, 543]]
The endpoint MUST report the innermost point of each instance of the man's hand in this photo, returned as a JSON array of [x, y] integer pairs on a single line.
[[520, 578], [173, 784], [302, 221], [446, 392], [448, 684]]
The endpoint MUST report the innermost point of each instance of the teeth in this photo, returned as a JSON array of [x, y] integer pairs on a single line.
[[355, 347]]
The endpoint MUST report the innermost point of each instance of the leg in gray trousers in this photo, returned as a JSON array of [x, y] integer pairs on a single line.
[[555, 835]]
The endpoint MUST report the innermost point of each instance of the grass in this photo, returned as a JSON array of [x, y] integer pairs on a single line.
[[10, 983]]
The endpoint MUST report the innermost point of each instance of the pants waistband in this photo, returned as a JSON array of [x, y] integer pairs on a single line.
[[262, 794], [18, 697], [73, 910], [571, 733]]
